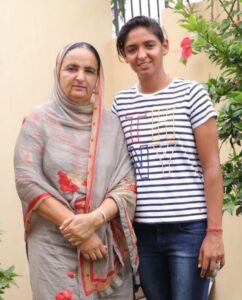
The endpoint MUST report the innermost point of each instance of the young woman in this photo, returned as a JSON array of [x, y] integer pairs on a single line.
[[75, 181], [170, 127]]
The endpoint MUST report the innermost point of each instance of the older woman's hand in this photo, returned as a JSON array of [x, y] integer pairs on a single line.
[[80, 227], [93, 248]]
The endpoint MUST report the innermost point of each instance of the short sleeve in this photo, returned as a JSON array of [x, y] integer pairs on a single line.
[[201, 107], [114, 107]]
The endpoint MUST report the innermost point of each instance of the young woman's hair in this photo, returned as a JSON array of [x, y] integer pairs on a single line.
[[90, 48], [141, 21]]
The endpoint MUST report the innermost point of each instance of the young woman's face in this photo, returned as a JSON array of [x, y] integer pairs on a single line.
[[144, 52], [78, 75]]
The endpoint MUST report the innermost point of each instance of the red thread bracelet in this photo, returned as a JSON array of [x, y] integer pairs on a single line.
[[214, 230]]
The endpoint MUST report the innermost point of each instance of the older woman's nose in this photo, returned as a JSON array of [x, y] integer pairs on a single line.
[[80, 75]]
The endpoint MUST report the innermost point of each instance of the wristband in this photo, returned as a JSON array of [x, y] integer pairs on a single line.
[[102, 213], [214, 230]]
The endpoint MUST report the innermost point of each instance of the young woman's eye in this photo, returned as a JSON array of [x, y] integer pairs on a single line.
[[131, 50], [149, 46]]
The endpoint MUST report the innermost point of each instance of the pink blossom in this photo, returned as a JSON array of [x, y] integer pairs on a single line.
[[186, 45]]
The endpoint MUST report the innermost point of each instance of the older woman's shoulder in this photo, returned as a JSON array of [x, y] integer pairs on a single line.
[[38, 113]]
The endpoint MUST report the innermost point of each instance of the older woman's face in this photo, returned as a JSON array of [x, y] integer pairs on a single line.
[[78, 75]]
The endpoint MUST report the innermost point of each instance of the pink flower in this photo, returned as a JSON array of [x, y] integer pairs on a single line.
[[186, 45], [64, 295]]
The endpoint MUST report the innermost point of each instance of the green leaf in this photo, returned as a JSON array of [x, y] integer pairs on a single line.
[[229, 207], [6, 278], [193, 22], [179, 5], [228, 181], [225, 24]]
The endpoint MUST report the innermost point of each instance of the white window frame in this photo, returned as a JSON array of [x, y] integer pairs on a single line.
[[160, 5]]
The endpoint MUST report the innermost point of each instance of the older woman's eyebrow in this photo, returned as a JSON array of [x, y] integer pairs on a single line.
[[71, 65]]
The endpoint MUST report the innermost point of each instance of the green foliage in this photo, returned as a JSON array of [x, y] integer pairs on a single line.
[[7, 277], [120, 6], [232, 184], [220, 38]]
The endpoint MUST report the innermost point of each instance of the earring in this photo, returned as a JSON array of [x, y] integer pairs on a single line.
[[95, 89]]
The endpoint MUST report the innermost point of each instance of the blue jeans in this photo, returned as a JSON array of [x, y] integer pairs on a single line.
[[169, 260]]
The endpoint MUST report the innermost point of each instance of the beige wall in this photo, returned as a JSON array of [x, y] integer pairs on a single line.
[[31, 34]]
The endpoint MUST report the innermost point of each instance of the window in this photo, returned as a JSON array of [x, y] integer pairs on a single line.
[[123, 10]]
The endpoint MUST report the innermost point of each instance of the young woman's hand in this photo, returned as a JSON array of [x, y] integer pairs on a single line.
[[211, 254], [93, 248]]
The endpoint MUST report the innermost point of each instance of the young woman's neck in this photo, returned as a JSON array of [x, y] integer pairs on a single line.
[[154, 84]]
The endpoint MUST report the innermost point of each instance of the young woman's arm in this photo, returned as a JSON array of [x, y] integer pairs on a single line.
[[212, 249]]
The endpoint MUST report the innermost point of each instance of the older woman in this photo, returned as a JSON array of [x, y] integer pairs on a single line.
[[76, 185]]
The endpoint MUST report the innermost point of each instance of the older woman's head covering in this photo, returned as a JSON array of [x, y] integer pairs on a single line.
[[81, 113]]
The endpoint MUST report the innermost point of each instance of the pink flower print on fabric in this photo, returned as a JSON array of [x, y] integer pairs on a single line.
[[71, 274], [65, 183], [64, 295]]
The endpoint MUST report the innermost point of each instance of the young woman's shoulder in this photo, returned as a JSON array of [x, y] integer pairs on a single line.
[[190, 84], [122, 97], [126, 92]]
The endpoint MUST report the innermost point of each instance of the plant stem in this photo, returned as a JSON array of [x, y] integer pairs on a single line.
[[229, 14]]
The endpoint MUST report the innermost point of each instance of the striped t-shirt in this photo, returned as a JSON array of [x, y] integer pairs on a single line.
[[159, 132]]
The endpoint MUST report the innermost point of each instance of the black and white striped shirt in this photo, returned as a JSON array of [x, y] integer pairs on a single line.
[[159, 132]]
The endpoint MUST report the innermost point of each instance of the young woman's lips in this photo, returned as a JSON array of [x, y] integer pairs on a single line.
[[143, 65]]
